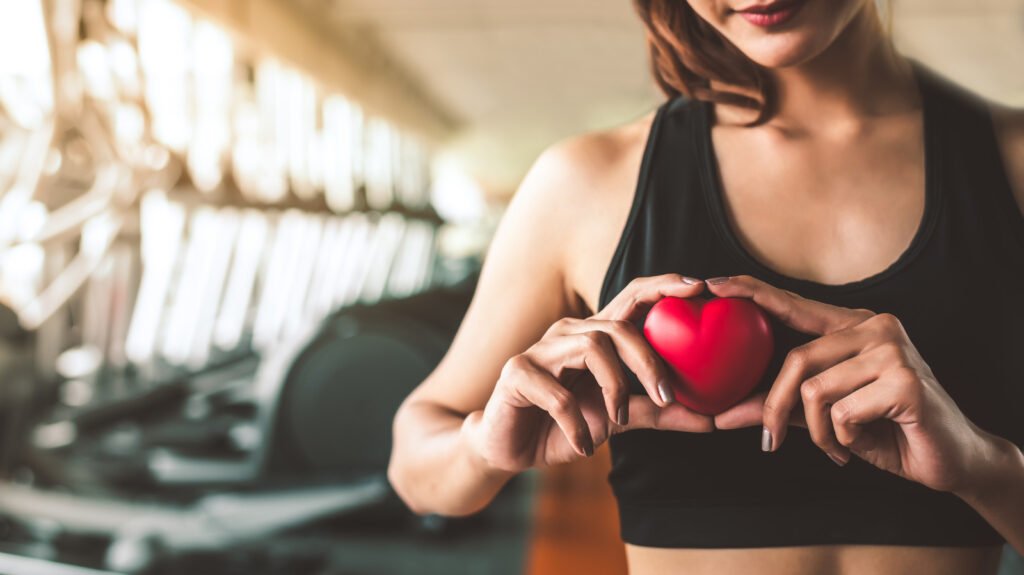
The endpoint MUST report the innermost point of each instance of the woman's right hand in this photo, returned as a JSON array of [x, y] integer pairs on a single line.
[[567, 394]]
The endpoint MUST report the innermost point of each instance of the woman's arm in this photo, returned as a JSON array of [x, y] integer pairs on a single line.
[[528, 382], [996, 491], [520, 293]]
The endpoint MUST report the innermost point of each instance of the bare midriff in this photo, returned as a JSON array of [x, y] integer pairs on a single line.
[[816, 560]]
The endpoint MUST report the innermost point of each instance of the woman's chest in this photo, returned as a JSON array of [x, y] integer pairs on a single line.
[[828, 210]]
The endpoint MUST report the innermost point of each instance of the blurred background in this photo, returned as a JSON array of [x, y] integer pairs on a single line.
[[234, 234]]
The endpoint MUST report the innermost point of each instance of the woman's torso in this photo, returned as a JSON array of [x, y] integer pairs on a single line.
[[878, 231]]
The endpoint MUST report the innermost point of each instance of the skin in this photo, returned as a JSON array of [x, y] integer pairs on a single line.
[[544, 388]]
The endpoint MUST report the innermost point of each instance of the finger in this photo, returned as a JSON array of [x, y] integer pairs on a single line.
[[802, 363], [642, 293], [592, 351], [537, 387], [633, 349], [750, 413], [852, 415], [823, 390], [801, 314], [893, 395], [645, 414]]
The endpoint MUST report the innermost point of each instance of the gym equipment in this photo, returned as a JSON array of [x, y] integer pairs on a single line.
[[329, 256], [18, 565], [213, 62], [141, 532], [163, 225], [361, 361], [238, 293], [324, 406], [174, 257], [379, 143], [224, 229], [197, 295], [350, 273], [342, 390], [339, 184], [381, 256], [303, 257], [300, 102]]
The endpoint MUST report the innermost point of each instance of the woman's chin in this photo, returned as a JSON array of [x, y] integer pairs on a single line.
[[775, 53]]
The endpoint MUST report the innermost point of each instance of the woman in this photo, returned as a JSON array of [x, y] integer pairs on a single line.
[[872, 208]]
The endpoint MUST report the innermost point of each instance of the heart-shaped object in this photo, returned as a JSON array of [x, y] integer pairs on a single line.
[[718, 348]]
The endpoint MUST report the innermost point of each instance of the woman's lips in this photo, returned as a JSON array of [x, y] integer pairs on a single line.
[[769, 15]]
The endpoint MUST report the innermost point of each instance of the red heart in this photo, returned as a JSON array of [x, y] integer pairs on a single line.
[[718, 348]]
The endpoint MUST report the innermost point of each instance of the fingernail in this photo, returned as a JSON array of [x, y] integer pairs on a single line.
[[623, 416], [718, 280], [836, 459], [690, 281], [585, 441], [666, 393], [766, 439]]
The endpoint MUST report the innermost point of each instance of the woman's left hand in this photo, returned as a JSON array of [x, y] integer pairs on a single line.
[[864, 388]]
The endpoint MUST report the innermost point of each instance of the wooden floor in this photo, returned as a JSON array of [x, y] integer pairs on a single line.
[[576, 525]]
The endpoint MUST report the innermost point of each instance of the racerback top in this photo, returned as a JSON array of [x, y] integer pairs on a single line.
[[958, 290]]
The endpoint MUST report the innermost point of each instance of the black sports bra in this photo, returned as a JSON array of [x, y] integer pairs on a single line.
[[958, 289]]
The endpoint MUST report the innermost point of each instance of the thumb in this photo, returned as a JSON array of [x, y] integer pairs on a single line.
[[750, 413]]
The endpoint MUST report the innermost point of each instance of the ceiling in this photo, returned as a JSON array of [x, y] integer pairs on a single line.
[[519, 75]]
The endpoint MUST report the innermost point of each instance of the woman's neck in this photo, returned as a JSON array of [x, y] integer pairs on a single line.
[[857, 77]]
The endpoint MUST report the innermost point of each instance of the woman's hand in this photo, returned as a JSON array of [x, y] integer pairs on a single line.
[[567, 393], [864, 389]]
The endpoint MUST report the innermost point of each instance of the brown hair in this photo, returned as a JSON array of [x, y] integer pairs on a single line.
[[688, 54]]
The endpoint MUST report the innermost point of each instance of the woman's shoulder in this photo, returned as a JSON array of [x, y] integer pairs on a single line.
[[1007, 121], [577, 190], [1009, 126], [579, 177], [586, 160], [575, 180]]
